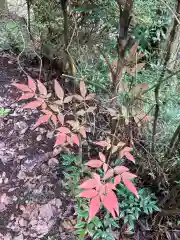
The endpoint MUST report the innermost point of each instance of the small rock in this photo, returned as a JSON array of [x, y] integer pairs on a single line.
[[33, 222], [46, 212], [20, 237], [2, 207], [2, 145], [42, 229], [58, 202], [7, 237], [53, 162], [15, 198], [42, 130], [12, 189], [21, 157], [50, 134], [1, 180], [21, 126], [39, 138], [6, 180], [22, 222], [12, 217], [3, 175], [21, 175]]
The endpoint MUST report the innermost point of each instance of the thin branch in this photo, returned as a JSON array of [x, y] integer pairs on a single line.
[[173, 143]]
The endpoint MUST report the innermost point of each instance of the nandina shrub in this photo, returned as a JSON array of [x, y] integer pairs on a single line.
[[100, 188]]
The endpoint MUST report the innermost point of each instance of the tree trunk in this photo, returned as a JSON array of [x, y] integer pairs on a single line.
[[174, 41]]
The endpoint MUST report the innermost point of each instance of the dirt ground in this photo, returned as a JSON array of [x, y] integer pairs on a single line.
[[33, 202]]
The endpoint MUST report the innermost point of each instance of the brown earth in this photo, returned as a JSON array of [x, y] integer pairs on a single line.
[[33, 202]]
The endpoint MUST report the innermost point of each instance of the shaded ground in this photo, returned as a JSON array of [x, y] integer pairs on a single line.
[[33, 203]]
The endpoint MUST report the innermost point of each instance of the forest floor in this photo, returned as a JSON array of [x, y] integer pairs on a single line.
[[33, 203]]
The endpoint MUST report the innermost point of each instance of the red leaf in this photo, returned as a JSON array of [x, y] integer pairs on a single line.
[[97, 178], [102, 143], [54, 119], [69, 140], [41, 120], [83, 89], [75, 139], [21, 87], [120, 169], [90, 96], [58, 90], [47, 112], [33, 105], [102, 157], [88, 193], [42, 88], [91, 183], [68, 99], [115, 63], [129, 156], [105, 167], [110, 202], [128, 149], [128, 175], [117, 180], [94, 163], [124, 150], [79, 98], [83, 131], [26, 96], [44, 105], [94, 207], [109, 174], [31, 84], [64, 130], [61, 139], [61, 118], [131, 187], [110, 186]]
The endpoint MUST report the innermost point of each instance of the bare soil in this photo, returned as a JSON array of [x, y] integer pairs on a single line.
[[33, 202]]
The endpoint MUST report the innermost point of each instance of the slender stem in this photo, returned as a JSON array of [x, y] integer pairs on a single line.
[[113, 140], [173, 143]]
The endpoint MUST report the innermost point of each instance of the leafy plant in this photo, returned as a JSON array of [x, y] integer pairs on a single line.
[[4, 112], [131, 208], [100, 191]]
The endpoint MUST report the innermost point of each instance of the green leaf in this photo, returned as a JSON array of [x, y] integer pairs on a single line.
[[136, 213], [117, 162], [114, 223], [90, 229], [146, 210], [131, 223], [84, 214], [98, 235], [97, 222], [4, 112], [80, 225], [156, 208], [126, 219], [72, 169], [122, 214]]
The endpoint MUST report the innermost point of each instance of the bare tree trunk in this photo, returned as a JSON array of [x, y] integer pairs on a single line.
[[174, 40]]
